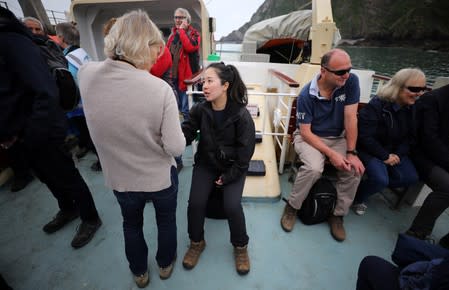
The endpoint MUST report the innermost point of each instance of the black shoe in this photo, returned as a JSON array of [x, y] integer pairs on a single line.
[[96, 166], [61, 219], [444, 241], [85, 233], [179, 167], [19, 183], [82, 151]]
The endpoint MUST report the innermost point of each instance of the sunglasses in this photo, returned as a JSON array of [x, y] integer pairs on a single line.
[[341, 72], [416, 89], [180, 17]]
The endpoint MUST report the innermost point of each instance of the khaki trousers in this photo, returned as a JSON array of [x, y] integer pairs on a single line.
[[310, 172]]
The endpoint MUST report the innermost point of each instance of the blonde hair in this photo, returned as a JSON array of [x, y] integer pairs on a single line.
[[130, 38], [390, 90]]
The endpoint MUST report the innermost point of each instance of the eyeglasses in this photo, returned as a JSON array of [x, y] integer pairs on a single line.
[[180, 17], [416, 89], [341, 72]]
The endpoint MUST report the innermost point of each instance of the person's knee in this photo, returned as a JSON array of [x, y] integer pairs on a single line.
[[232, 208], [379, 178], [197, 204]]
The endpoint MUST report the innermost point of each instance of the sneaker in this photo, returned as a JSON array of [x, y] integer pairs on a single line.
[[359, 208], [288, 218], [444, 241], [193, 254], [143, 280], [96, 166], [19, 183], [60, 220], [165, 273], [337, 229], [241, 260], [85, 233]]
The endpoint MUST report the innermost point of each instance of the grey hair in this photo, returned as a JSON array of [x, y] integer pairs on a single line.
[[391, 89], [130, 38], [186, 14], [33, 19], [69, 32]]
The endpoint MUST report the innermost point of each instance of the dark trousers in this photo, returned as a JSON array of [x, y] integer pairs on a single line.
[[132, 205], [84, 139], [18, 161], [435, 203], [54, 166], [183, 101], [377, 274], [381, 175], [203, 183]]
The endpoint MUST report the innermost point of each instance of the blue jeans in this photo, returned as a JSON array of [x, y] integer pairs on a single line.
[[381, 175], [132, 205], [183, 104]]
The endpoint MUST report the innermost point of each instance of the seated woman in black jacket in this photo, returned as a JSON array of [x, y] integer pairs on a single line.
[[384, 135], [431, 157], [226, 145]]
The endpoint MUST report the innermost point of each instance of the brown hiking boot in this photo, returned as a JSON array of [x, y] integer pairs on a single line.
[[288, 218], [193, 254], [337, 228], [142, 280], [241, 260], [165, 273]]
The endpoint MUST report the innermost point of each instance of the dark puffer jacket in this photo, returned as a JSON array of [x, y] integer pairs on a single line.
[[226, 147], [384, 128]]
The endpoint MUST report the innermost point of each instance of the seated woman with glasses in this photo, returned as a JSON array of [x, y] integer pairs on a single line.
[[384, 135]]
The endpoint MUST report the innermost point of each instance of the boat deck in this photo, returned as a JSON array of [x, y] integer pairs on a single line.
[[307, 258]]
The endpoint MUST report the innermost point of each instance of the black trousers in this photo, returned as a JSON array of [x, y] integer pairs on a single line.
[[377, 274], [84, 139], [18, 161], [435, 203], [203, 183], [54, 166]]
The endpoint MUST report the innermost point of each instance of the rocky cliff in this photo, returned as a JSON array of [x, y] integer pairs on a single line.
[[374, 20]]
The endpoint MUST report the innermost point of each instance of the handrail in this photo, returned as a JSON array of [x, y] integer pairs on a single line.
[[285, 79], [196, 78], [381, 77]]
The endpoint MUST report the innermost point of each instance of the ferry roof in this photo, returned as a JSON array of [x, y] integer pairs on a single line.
[[91, 15]]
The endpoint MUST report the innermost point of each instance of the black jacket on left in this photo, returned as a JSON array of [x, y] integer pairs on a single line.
[[226, 147], [28, 94]]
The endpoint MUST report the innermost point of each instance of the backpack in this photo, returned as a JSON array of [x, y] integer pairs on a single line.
[[68, 92], [319, 203]]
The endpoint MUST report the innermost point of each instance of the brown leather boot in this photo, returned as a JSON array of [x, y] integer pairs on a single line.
[[241, 260], [337, 228], [193, 254], [288, 218]]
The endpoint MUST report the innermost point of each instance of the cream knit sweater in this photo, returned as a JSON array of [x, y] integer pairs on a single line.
[[133, 120]]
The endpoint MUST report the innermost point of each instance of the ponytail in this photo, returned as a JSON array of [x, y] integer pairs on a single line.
[[237, 91]]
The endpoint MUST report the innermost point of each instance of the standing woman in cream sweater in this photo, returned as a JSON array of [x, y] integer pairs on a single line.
[[133, 120]]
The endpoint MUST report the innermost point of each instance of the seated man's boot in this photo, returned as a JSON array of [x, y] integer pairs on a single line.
[[288, 218], [193, 254], [242, 264], [337, 229]]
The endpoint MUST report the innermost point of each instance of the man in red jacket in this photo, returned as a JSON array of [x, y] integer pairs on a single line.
[[183, 43]]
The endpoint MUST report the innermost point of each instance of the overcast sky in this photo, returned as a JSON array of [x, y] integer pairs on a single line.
[[230, 14]]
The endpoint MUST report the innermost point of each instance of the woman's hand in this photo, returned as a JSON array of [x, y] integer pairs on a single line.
[[392, 160]]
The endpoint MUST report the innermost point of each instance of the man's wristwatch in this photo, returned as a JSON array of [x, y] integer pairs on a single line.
[[352, 152]]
